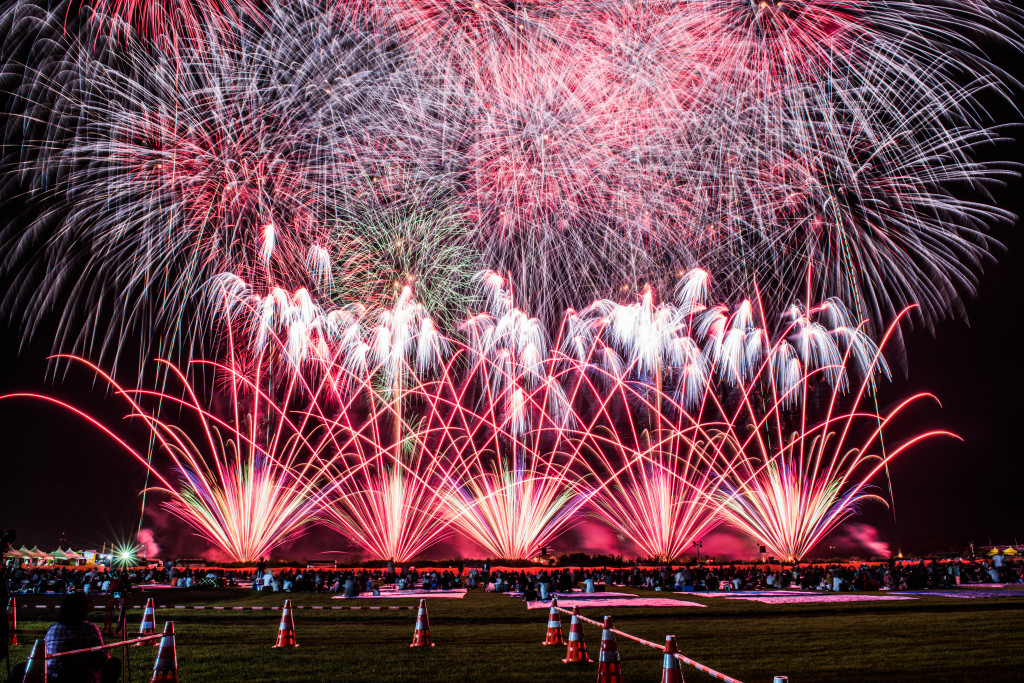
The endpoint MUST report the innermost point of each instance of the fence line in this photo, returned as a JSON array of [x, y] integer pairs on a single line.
[[108, 646], [255, 608], [661, 648]]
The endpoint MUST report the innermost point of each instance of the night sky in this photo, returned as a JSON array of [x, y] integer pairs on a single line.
[[60, 475]]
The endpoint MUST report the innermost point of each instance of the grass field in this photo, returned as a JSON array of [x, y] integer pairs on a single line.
[[488, 637]]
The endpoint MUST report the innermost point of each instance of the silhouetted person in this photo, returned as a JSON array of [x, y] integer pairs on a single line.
[[73, 632]]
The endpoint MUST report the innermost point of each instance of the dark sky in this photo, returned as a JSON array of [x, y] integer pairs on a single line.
[[61, 475]]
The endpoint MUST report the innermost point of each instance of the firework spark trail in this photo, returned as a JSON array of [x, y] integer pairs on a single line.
[[385, 495], [661, 460], [583, 149], [395, 435], [514, 485], [830, 102], [791, 483], [243, 482], [165, 174]]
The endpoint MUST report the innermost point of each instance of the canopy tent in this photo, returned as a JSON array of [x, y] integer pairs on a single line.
[[37, 554]]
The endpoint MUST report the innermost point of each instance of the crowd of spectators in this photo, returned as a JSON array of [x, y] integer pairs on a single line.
[[533, 581]]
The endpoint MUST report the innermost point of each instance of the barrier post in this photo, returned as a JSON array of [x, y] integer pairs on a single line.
[[148, 625], [554, 632], [670, 672], [577, 648], [165, 669], [609, 667], [421, 635], [286, 631]]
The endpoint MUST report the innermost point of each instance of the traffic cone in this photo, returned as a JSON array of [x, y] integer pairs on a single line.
[[421, 636], [609, 668], [12, 622], [286, 632], [35, 672], [670, 671], [165, 670], [554, 634], [577, 650], [148, 625]]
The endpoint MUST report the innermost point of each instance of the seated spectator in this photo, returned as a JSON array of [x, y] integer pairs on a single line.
[[73, 632]]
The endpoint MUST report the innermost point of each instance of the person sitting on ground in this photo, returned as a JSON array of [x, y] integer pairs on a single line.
[[73, 632]]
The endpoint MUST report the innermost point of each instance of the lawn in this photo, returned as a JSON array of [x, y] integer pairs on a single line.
[[488, 637]]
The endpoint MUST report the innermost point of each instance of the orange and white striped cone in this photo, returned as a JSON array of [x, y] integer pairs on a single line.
[[421, 636], [554, 634], [609, 667], [286, 631], [148, 625], [577, 650], [670, 671], [35, 672], [165, 670], [12, 622]]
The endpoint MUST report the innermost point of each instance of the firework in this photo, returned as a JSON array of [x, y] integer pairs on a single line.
[[667, 385], [792, 478], [657, 487], [385, 495], [515, 483], [388, 250], [584, 150], [126, 554], [244, 481], [164, 174]]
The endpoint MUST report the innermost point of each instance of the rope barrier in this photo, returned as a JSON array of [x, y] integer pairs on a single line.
[[108, 646], [660, 648], [253, 607]]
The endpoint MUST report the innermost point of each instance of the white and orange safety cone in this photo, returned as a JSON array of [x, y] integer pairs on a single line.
[[35, 672], [670, 671], [609, 667], [12, 622], [148, 625], [554, 634], [286, 632], [577, 650], [165, 670], [421, 636]]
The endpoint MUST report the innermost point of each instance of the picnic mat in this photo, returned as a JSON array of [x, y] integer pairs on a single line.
[[408, 594]]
